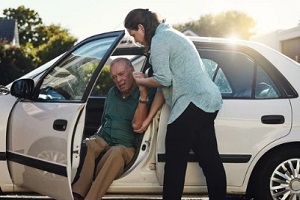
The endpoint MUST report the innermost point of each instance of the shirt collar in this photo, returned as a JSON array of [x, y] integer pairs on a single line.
[[135, 93], [161, 27]]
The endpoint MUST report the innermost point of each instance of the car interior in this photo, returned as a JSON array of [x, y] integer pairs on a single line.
[[95, 104]]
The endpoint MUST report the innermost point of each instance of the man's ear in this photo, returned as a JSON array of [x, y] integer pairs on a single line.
[[132, 68]]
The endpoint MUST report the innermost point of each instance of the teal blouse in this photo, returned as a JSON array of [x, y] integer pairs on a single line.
[[178, 67]]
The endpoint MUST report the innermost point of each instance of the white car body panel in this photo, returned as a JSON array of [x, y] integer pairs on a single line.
[[37, 142], [6, 102], [228, 129]]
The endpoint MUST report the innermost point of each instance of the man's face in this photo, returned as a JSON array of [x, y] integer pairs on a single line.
[[123, 78]]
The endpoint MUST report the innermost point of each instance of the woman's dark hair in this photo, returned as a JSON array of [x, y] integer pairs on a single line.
[[148, 19]]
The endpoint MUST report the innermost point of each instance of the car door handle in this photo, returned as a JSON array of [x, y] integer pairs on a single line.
[[60, 124], [272, 119]]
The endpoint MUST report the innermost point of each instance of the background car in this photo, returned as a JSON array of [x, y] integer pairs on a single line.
[[46, 116]]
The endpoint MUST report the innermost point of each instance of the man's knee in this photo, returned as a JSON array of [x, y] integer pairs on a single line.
[[121, 153], [115, 151], [95, 146]]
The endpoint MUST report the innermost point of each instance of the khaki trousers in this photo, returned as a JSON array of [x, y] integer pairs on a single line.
[[110, 167]]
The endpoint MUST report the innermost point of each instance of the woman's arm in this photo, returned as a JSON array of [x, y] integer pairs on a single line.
[[157, 103]]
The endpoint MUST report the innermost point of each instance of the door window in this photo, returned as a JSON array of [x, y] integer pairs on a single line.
[[265, 87], [237, 75], [69, 79], [104, 83], [217, 75]]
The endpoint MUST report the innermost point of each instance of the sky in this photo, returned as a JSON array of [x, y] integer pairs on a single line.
[[84, 18]]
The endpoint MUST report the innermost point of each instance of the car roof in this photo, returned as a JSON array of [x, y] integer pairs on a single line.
[[229, 41]]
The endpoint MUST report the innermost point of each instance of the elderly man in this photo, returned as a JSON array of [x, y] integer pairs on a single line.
[[125, 109]]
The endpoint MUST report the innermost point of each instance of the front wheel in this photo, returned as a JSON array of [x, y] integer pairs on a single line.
[[279, 176]]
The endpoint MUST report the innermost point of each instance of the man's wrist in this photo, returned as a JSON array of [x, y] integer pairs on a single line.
[[144, 100]]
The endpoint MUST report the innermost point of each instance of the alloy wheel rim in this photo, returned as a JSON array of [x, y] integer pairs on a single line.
[[54, 156], [285, 180]]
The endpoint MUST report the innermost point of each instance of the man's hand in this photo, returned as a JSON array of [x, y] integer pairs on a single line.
[[144, 126]]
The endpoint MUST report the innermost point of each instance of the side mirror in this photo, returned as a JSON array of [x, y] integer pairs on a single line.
[[22, 88]]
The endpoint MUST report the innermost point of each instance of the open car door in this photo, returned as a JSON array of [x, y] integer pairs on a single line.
[[45, 128]]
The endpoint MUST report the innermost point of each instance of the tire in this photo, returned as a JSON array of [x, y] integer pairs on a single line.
[[279, 176]]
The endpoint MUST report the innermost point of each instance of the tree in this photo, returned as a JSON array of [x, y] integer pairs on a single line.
[[226, 24], [39, 43], [32, 31], [14, 62], [28, 20], [57, 41]]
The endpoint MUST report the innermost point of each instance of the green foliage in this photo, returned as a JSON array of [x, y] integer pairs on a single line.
[[14, 62], [57, 42], [28, 20], [104, 83], [226, 24], [38, 42]]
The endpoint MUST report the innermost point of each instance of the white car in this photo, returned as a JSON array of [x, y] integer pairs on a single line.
[[47, 114]]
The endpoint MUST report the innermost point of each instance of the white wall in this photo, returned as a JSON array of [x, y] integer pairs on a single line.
[[275, 38], [270, 39]]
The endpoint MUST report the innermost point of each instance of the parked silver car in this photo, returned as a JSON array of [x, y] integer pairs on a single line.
[[46, 114]]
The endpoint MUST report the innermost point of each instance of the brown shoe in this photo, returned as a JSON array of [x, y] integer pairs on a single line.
[[77, 196]]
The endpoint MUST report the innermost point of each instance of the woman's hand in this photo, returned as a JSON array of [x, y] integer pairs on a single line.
[[138, 77], [141, 80]]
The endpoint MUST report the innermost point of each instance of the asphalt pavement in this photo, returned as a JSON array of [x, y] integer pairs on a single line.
[[131, 197]]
